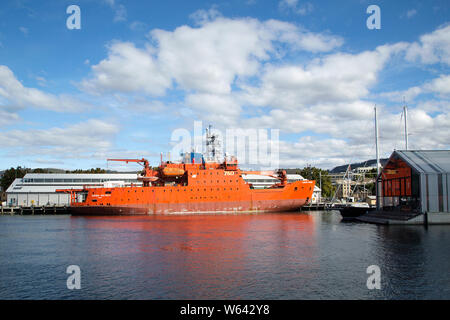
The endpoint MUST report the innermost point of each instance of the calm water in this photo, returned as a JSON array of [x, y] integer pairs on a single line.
[[270, 256]]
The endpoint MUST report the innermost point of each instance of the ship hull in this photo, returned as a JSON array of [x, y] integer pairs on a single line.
[[192, 208]]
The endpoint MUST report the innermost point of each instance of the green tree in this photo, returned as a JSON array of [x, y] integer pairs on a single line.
[[92, 170], [11, 174], [371, 188], [317, 174], [371, 174]]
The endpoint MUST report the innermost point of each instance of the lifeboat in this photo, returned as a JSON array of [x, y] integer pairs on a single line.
[[172, 172]]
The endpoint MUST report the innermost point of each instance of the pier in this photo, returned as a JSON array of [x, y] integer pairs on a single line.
[[35, 210]]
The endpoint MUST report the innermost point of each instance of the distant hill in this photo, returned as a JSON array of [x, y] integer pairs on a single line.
[[368, 163]]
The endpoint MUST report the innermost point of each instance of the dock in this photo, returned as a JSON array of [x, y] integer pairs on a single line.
[[402, 218], [35, 210]]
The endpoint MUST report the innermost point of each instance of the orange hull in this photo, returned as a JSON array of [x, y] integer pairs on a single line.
[[204, 191]]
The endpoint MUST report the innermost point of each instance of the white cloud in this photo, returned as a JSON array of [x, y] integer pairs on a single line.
[[201, 16], [138, 25], [408, 95], [19, 96], [425, 131], [294, 6], [432, 48], [127, 69], [439, 86], [120, 13], [218, 108], [335, 78], [228, 69], [24, 30], [76, 140], [7, 117], [41, 81], [411, 13], [207, 59]]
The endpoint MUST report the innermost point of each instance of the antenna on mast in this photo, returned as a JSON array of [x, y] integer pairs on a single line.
[[212, 144]]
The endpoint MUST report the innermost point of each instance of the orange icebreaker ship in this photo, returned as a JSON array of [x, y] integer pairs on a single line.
[[192, 186]]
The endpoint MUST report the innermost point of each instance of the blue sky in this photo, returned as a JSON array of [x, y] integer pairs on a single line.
[[136, 71]]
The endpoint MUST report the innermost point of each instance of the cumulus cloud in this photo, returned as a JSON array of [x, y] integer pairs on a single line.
[[19, 96], [218, 108], [207, 59], [127, 69], [439, 86], [432, 48], [335, 78], [201, 16], [350, 144], [120, 12], [7, 117], [70, 141], [229, 67], [294, 6], [230, 72]]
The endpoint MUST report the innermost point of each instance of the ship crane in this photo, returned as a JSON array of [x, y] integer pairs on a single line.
[[147, 175]]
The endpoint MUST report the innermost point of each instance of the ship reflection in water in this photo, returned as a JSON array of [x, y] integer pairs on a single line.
[[268, 256]]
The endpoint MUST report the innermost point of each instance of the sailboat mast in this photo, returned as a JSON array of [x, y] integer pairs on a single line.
[[378, 158], [405, 113]]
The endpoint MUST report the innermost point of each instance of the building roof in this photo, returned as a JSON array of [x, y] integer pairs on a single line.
[[81, 175], [49, 182], [426, 161]]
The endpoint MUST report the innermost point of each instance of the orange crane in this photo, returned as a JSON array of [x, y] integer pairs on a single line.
[[147, 175]]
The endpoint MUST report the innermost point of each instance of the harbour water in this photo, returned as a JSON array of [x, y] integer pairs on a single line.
[[311, 255]]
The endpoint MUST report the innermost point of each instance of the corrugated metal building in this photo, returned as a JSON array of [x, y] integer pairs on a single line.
[[39, 189], [416, 180]]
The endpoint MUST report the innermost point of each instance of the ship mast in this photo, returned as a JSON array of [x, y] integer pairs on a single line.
[[212, 145]]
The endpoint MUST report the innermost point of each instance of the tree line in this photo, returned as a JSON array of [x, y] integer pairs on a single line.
[[321, 177]]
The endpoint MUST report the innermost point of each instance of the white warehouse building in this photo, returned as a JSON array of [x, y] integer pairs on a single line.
[[39, 189]]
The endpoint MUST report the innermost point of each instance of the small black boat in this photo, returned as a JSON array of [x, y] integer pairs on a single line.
[[355, 210]]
